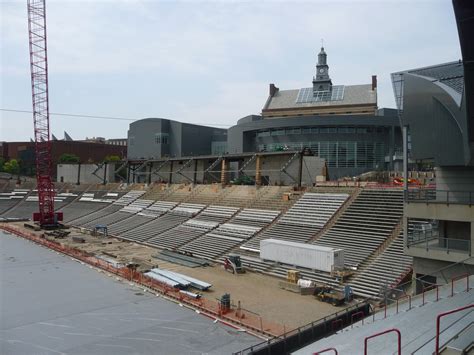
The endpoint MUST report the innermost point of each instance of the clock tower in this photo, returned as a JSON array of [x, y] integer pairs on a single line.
[[322, 81]]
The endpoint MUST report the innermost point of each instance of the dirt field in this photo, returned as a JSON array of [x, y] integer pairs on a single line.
[[257, 293]]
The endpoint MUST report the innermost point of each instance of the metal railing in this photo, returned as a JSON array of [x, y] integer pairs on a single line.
[[430, 240], [431, 195], [308, 333]]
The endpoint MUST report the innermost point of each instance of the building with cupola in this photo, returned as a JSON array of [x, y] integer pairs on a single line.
[[340, 123]]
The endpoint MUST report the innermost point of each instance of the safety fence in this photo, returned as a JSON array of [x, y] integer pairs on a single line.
[[233, 316], [309, 333]]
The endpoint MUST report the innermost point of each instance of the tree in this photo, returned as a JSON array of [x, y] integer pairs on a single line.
[[112, 158], [69, 158], [12, 167]]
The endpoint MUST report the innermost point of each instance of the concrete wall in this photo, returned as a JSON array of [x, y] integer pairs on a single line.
[[71, 173], [183, 139], [432, 105]]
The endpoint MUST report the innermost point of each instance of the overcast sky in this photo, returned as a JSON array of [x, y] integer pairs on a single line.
[[207, 62]]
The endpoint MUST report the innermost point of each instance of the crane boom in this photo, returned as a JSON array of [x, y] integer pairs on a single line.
[[39, 90]]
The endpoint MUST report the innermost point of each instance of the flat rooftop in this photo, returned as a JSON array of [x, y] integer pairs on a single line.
[[52, 304]]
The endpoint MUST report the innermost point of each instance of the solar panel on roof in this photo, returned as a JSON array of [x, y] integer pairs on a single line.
[[306, 95]]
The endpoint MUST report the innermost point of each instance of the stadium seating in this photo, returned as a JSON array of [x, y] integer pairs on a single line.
[[219, 241], [182, 234], [219, 214], [271, 197], [97, 217], [255, 217], [10, 199], [365, 224], [153, 228], [384, 271], [307, 216]]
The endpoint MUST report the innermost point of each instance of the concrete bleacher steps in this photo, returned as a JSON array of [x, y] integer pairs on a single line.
[[255, 217], [182, 234], [304, 219], [96, 217], [10, 199], [220, 240], [365, 225], [28, 205], [154, 228], [384, 271], [218, 214]]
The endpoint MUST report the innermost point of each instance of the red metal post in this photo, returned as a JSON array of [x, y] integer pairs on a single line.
[[360, 313], [466, 275], [336, 322], [399, 339], [39, 89], [438, 319], [326, 350]]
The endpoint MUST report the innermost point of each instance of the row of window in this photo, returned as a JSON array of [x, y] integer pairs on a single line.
[[161, 138], [318, 130], [338, 154]]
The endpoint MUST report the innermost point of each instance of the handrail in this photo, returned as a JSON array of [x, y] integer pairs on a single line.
[[438, 321], [459, 277], [393, 330], [326, 350]]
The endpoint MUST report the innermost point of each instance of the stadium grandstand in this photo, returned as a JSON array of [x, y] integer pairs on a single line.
[[305, 205]]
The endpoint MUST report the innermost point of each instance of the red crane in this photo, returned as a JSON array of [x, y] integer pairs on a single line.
[[39, 88]]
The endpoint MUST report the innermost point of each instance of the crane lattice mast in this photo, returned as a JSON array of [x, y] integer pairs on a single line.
[[39, 89]]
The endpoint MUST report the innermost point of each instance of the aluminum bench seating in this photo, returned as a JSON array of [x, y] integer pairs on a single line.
[[219, 214], [188, 209], [255, 217], [182, 234], [365, 224], [95, 215], [128, 224], [220, 240], [109, 219], [384, 271], [153, 228]]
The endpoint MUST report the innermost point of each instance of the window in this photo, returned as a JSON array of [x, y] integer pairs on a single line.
[[161, 138], [315, 130], [306, 130], [332, 130], [293, 131], [362, 130], [279, 132], [263, 134], [323, 130], [342, 130], [351, 130]]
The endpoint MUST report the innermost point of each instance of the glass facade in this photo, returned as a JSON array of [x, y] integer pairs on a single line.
[[338, 154], [218, 148]]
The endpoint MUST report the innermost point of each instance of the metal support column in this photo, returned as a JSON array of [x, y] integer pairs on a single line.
[[258, 171], [224, 172], [171, 172], [195, 172], [300, 170]]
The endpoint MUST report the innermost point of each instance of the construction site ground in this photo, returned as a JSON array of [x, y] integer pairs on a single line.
[[256, 292]]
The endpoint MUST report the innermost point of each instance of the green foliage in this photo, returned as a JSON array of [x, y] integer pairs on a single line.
[[69, 158], [11, 167], [243, 180], [112, 158]]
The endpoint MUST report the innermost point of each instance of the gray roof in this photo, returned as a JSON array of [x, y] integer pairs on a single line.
[[353, 95], [450, 74]]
